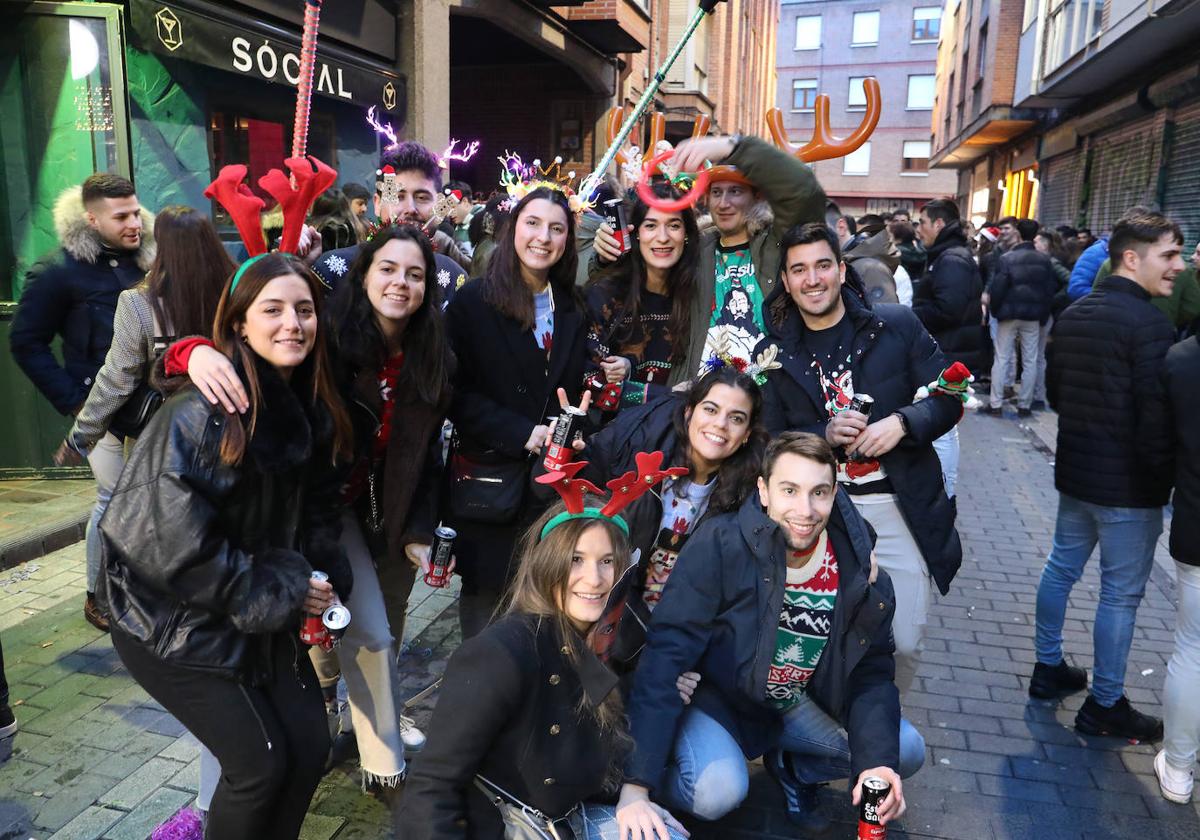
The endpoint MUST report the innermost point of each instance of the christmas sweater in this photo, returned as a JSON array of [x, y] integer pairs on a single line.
[[804, 624]]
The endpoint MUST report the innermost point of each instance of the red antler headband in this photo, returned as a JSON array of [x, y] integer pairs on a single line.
[[624, 489]]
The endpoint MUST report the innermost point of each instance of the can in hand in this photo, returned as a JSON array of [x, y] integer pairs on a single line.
[[335, 619], [614, 217], [312, 630], [862, 403], [439, 556], [874, 791], [560, 452]]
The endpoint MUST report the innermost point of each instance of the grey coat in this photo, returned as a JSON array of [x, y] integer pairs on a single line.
[[130, 359]]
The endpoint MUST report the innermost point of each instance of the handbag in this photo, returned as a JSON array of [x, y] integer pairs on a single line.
[[131, 418], [486, 486], [521, 821]]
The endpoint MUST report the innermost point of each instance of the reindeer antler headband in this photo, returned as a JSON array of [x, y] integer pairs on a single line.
[[624, 489], [310, 177]]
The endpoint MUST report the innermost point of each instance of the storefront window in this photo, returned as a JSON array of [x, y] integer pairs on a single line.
[[63, 121]]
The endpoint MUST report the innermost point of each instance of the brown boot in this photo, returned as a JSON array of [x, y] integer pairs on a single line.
[[93, 615]]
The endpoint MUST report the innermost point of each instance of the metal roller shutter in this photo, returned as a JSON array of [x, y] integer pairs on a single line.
[[1124, 171], [1181, 200], [1062, 186]]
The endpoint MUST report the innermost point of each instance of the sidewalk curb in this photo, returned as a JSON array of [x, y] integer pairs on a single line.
[[42, 541]]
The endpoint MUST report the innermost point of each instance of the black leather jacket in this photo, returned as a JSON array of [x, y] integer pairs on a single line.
[[204, 560]]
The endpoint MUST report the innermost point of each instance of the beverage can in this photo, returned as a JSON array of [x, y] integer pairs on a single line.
[[614, 215], [312, 629], [439, 555], [560, 452], [874, 791]]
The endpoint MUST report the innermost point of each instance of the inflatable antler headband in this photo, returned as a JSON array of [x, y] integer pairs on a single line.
[[625, 489]]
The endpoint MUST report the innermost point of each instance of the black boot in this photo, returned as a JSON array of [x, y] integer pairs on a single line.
[[803, 810], [1120, 720], [1053, 681]]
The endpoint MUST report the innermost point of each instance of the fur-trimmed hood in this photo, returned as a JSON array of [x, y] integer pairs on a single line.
[[81, 241]]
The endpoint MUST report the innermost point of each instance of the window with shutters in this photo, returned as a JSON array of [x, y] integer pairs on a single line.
[[858, 162], [865, 31], [915, 157], [808, 32], [1183, 175], [927, 24], [804, 94], [856, 95]]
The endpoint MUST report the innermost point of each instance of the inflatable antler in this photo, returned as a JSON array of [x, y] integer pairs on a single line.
[[570, 488], [658, 130], [823, 145], [243, 206], [633, 484], [312, 177]]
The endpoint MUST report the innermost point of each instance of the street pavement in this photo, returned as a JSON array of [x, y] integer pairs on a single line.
[[96, 757]]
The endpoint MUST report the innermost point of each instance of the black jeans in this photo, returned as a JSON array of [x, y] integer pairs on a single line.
[[3, 680], [271, 741]]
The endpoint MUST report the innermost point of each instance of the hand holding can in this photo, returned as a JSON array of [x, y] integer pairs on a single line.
[[441, 556]]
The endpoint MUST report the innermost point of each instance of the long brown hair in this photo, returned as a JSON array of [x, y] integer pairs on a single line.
[[231, 312], [541, 581], [189, 271], [503, 287]]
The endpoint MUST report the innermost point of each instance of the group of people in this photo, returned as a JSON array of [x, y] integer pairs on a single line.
[[793, 400]]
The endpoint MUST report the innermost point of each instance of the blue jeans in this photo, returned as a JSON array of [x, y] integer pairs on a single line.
[[106, 459], [599, 822], [1127, 537], [708, 776]]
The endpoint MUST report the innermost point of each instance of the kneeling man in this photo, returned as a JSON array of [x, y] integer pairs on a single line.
[[778, 609]]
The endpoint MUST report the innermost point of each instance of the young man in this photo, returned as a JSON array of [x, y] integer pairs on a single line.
[[1181, 714], [948, 300], [832, 348], [1020, 295], [410, 200], [778, 610], [1113, 467], [739, 257], [73, 294]]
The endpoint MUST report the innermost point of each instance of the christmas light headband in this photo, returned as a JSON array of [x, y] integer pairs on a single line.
[[625, 489], [519, 179], [449, 154]]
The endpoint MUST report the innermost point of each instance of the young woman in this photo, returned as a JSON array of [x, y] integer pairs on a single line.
[[210, 538], [528, 709], [178, 297], [338, 224], [518, 336], [392, 365], [639, 308]]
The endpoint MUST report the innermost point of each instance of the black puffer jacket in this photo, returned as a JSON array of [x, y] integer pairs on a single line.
[[720, 616], [894, 356], [947, 300], [1104, 379], [1024, 285], [1182, 377], [203, 560]]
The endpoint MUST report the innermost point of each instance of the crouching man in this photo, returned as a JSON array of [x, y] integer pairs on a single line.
[[786, 671]]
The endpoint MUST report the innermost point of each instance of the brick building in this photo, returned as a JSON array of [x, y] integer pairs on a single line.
[[830, 47], [1071, 111]]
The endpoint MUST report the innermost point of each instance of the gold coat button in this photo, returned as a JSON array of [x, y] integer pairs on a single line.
[[555, 729], [555, 679], [881, 606], [565, 650], [862, 642], [548, 782]]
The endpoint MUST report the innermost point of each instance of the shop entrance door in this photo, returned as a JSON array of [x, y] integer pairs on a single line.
[[62, 93]]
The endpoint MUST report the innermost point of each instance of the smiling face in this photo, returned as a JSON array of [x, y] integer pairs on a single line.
[[1154, 267], [718, 426], [395, 282], [813, 277], [415, 197], [730, 203], [1196, 257], [591, 578], [540, 236], [799, 498], [117, 220], [660, 239], [281, 323]]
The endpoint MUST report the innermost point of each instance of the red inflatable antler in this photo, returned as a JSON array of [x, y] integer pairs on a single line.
[[571, 489], [312, 177], [633, 484], [243, 206]]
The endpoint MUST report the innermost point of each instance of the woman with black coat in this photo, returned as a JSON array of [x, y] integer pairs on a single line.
[[639, 308], [518, 336], [392, 365], [210, 539], [527, 712]]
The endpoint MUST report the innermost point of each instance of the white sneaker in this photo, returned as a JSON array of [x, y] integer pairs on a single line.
[[1176, 785], [413, 738]]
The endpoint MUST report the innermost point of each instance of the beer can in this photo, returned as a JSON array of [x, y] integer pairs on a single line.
[[560, 452], [439, 555], [614, 215], [862, 403], [335, 619], [312, 630], [874, 791]]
